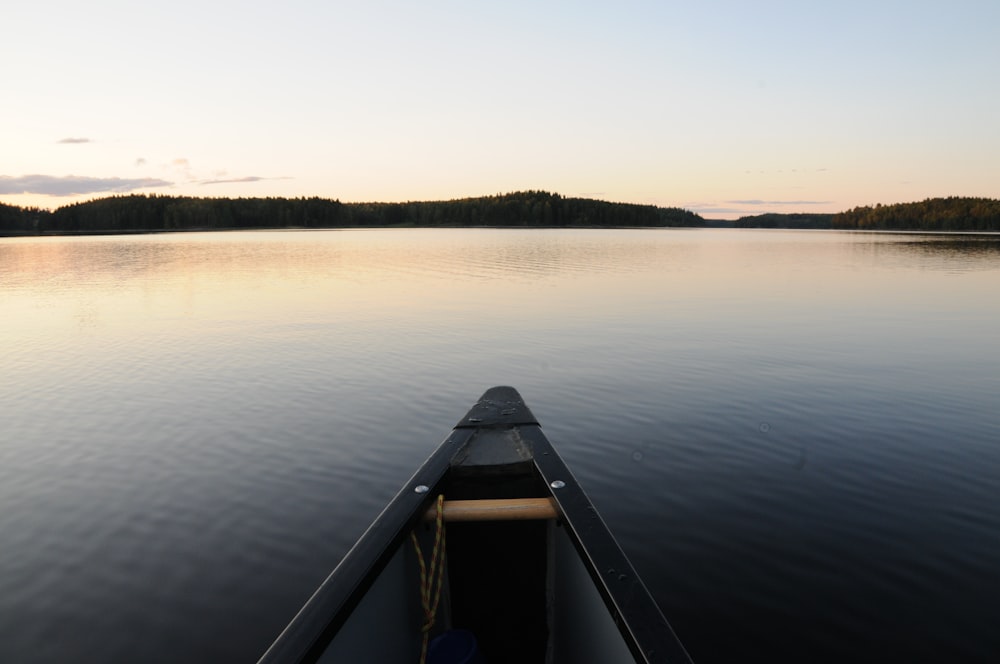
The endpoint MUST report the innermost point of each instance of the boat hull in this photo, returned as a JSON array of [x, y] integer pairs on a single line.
[[549, 587]]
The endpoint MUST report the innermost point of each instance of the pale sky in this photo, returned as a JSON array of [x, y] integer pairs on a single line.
[[722, 107]]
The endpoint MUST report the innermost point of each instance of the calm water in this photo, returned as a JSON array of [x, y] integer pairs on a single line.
[[795, 435]]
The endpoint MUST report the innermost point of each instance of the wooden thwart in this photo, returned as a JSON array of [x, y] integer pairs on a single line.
[[499, 509]]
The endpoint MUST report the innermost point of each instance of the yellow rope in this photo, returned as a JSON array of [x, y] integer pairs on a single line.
[[430, 584]]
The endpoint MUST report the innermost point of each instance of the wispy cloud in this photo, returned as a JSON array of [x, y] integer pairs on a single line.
[[248, 178], [757, 201], [181, 170], [72, 185], [73, 141], [750, 206]]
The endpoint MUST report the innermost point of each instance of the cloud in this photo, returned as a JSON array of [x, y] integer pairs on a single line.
[[745, 207], [248, 178], [73, 141], [71, 185], [755, 201], [141, 161]]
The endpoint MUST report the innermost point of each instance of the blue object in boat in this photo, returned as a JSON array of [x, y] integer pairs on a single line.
[[456, 646]]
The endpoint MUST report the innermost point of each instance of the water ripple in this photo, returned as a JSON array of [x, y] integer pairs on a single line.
[[793, 436]]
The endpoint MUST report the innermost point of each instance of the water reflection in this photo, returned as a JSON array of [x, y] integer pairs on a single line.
[[46, 263]]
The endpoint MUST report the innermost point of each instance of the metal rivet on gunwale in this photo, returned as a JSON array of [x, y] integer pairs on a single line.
[[421, 488], [557, 484]]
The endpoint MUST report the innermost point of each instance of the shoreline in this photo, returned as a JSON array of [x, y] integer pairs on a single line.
[[161, 231]]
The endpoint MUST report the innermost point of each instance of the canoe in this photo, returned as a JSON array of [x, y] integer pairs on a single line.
[[490, 554]]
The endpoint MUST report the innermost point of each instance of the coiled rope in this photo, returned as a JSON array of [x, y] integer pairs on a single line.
[[431, 584]]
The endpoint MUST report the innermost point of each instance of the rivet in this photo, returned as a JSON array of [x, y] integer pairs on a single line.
[[421, 488], [557, 484]]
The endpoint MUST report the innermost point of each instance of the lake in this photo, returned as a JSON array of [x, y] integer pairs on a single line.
[[795, 435]]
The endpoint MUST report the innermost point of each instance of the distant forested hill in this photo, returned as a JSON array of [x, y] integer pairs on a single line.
[[530, 208], [134, 213], [933, 214], [138, 213], [794, 220], [19, 221]]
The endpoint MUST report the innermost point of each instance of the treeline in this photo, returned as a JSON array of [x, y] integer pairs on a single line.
[[138, 213], [141, 213], [19, 221], [933, 214], [529, 208]]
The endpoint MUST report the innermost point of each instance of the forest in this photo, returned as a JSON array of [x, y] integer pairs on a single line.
[[539, 209], [934, 214], [141, 213]]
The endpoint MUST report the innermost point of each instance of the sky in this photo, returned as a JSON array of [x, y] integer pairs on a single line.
[[722, 107]]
